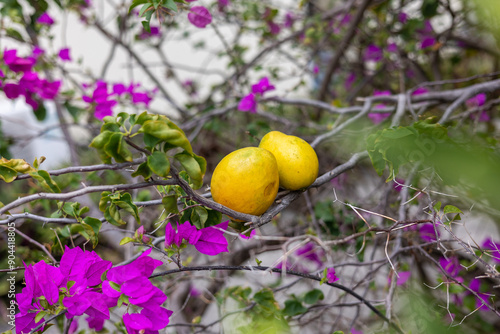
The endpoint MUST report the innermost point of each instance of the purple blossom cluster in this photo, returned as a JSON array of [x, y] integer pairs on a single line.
[[21, 80], [475, 102], [77, 286], [199, 16], [102, 100], [249, 102], [209, 240]]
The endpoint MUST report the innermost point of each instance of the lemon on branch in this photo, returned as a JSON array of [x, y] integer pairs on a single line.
[[297, 160], [246, 180]]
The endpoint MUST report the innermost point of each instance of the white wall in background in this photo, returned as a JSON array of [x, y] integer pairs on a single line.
[[34, 138]]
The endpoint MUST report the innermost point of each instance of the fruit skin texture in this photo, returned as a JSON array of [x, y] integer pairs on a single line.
[[246, 180], [297, 161]]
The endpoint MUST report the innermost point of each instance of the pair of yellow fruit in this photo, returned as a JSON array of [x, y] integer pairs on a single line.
[[247, 180]]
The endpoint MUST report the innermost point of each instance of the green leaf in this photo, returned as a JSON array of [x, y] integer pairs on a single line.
[[110, 125], [168, 132], [136, 3], [126, 240], [144, 9], [101, 139], [115, 286], [451, 209], [117, 148], [124, 202], [214, 218], [437, 206], [265, 299], [429, 8], [170, 204], [103, 202], [18, 165], [143, 117], [40, 112], [99, 142], [146, 25], [199, 216], [122, 300], [113, 216], [7, 174], [143, 170], [40, 315], [159, 164], [170, 4], [122, 117], [194, 165], [151, 141], [14, 34], [92, 226], [44, 179], [313, 296], [293, 307]]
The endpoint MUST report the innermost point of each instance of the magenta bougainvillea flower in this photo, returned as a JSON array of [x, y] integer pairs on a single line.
[[184, 231], [403, 17], [492, 248], [139, 235], [402, 278], [379, 117], [262, 86], [101, 100], [45, 19], [37, 52], [148, 321], [420, 90], [249, 236], [26, 321], [451, 265], [154, 31], [475, 285], [64, 54], [212, 240], [17, 64], [199, 16], [426, 35], [26, 82], [209, 240], [373, 52], [274, 28], [392, 47], [331, 276], [77, 286], [351, 78], [427, 232], [476, 101], [289, 20], [248, 103], [12, 91], [312, 253]]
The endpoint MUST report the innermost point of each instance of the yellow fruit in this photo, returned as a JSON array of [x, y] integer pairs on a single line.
[[297, 160], [246, 180]]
